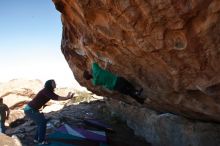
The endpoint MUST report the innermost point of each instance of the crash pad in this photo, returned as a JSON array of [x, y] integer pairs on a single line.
[[63, 139], [84, 133]]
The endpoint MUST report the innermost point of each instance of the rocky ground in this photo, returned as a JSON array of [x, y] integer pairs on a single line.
[[73, 114]]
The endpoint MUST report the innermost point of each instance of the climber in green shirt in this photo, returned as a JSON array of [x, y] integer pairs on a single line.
[[110, 81]]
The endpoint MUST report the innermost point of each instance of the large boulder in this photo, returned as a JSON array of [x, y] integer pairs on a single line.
[[170, 48], [166, 129]]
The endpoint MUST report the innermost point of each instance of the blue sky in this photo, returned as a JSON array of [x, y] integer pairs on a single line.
[[30, 38]]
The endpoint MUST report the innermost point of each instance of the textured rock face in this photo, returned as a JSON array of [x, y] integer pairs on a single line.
[[170, 48], [165, 129]]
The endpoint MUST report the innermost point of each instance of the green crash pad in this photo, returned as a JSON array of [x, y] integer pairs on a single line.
[[62, 139]]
